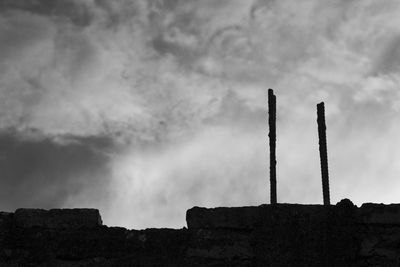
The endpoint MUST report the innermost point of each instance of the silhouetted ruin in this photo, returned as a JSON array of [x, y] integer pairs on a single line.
[[268, 235], [323, 153], [341, 235], [272, 144]]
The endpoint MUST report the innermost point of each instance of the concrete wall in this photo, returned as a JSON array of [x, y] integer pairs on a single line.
[[281, 235]]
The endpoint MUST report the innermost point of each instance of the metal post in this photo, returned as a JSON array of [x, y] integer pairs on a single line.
[[272, 143], [323, 153]]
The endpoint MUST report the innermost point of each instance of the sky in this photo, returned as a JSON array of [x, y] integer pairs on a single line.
[[146, 108]]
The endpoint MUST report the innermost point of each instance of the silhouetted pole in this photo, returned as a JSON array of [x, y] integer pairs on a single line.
[[272, 143], [323, 153]]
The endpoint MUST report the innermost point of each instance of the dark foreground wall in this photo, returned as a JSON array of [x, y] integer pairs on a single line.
[[282, 235]]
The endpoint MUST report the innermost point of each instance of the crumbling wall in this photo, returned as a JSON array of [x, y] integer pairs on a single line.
[[278, 235], [287, 234], [379, 227]]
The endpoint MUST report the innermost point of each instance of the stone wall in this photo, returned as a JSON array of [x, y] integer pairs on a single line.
[[281, 235]]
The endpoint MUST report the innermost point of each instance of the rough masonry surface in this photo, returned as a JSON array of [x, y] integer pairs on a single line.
[[278, 235]]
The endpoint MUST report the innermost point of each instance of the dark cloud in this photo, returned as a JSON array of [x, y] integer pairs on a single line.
[[78, 13], [44, 173], [20, 32], [388, 60]]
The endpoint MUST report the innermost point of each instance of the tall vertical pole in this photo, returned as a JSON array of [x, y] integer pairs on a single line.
[[272, 143], [323, 153]]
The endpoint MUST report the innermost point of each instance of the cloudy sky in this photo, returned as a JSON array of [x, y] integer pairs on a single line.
[[143, 109]]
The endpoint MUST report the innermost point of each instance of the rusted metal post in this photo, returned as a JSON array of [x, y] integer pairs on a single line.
[[272, 143], [323, 153]]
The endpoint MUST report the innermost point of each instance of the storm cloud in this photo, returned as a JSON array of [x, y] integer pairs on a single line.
[[146, 108]]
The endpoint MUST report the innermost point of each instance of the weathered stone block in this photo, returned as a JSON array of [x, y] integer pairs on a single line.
[[235, 218], [5, 221], [279, 235], [379, 214], [250, 217], [225, 246], [57, 218], [5, 224]]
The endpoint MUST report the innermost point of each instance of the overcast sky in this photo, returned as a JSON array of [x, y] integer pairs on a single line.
[[143, 109]]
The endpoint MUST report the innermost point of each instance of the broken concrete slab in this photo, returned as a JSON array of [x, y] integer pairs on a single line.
[[235, 218], [5, 224], [372, 213], [250, 217], [57, 218]]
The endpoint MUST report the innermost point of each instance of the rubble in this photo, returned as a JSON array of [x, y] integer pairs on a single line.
[[57, 218], [267, 235]]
